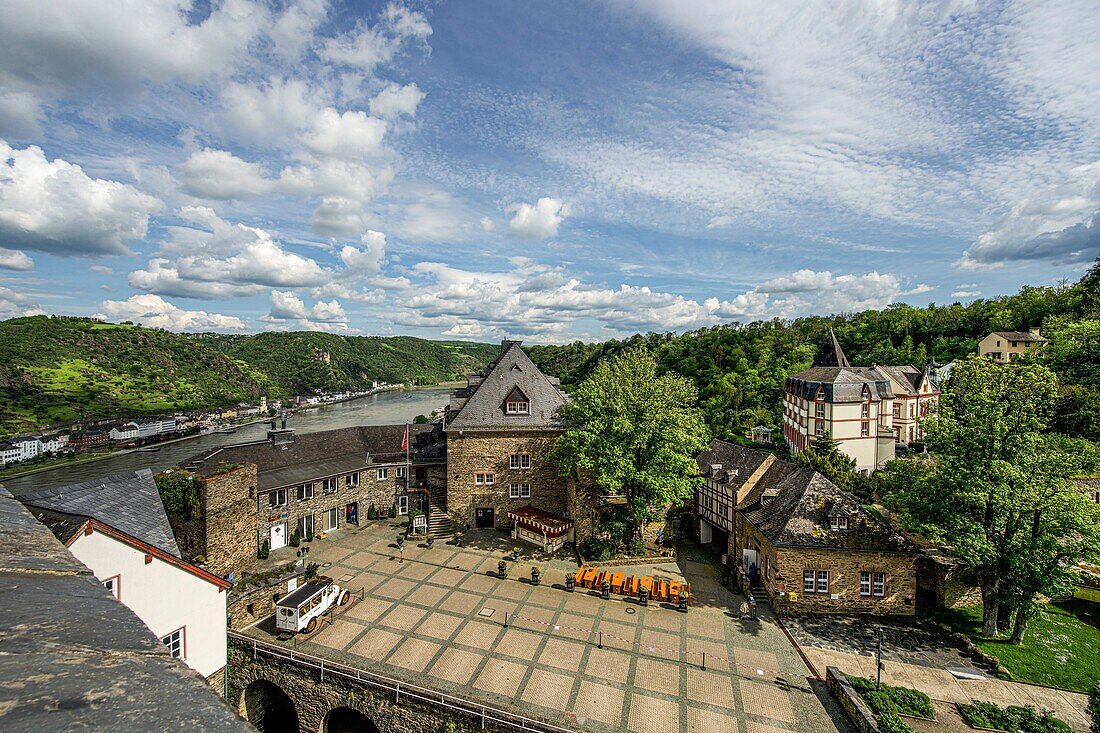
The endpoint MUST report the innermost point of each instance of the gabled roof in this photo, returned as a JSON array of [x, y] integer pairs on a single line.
[[326, 453], [1018, 336], [791, 503], [129, 502], [480, 404], [907, 379], [841, 384], [830, 354]]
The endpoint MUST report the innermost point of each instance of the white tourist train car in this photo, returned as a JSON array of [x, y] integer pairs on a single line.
[[299, 610]]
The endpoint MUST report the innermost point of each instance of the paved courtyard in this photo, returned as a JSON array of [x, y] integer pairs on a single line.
[[436, 617]]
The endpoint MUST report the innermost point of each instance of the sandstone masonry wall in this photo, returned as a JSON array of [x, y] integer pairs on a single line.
[[480, 452], [229, 510]]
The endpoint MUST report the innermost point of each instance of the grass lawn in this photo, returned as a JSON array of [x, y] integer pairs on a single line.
[[1060, 649]]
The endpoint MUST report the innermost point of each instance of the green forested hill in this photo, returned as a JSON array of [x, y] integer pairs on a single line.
[[55, 370], [58, 370], [307, 360], [739, 370]]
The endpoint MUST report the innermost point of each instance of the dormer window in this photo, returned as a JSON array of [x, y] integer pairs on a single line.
[[838, 523], [517, 403]]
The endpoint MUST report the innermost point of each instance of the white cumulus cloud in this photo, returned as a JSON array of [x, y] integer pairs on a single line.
[[156, 312], [538, 221], [54, 206]]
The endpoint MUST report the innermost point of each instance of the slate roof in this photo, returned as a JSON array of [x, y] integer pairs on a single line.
[[737, 462], [841, 384], [129, 502], [908, 378], [326, 453], [791, 504], [1019, 336], [95, 665], [480, 404]]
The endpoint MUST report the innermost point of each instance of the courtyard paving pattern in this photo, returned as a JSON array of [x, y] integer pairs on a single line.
[[436, 618]]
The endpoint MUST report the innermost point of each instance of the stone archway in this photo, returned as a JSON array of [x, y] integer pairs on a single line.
[[347, 720], [269, 708]]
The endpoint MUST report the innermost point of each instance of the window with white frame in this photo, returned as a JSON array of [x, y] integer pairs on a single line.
[[864, 429], [328, 485], [305, 526], [352, 479], [822, 581], [305, 491], [113, 586], [879, 585], [864, 583], [819, 427], [897, 410], [518, 407], [820, 411], [519, 461], [838, 522], [865, 410], [809, 581], [484, 479], [175, 643], [400, 471], [382, 473], [519, 491], [277, 498]]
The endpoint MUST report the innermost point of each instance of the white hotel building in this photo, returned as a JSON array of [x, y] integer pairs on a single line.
[[867, 410]]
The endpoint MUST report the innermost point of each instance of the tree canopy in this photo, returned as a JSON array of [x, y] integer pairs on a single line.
[[634, 433], [997, 490]]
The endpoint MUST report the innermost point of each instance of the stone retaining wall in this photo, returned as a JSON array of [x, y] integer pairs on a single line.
[[247, 606], [854, 707]]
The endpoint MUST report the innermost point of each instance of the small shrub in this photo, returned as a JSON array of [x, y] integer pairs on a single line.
[[596, 549], [393, 511], [295, 538], [311, 570], [1013, 718], [372, 512], [265, 550], [892, 699]]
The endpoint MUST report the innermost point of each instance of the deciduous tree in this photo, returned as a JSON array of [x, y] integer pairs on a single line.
[[634, 433]]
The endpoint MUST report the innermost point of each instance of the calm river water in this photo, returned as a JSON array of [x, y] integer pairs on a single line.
[[379, 409]]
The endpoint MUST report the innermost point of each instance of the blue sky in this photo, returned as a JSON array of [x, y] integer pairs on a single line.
[[548, 171]]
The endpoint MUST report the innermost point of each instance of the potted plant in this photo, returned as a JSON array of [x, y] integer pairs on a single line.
[[372, 512], [684, 595], [393, 511], [515, 554], [536, 574], [265, 550], [309, 536], [570, 582], [502, 569], [295, 538]]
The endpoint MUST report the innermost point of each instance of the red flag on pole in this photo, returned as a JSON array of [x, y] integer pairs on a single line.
[[405, 440]]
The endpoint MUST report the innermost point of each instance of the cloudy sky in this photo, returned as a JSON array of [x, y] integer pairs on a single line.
[[549, 171]]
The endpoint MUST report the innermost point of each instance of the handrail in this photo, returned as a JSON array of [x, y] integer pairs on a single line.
[[469, 707]]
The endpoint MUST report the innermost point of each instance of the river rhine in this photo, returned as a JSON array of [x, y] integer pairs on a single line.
[[378, 409]]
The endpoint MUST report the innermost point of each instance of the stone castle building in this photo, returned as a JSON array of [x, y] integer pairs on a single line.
[[816, 549], [869, 411], [320, 482]]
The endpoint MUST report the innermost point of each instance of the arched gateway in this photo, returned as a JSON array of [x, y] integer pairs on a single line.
[[346, 720], [269, 708]]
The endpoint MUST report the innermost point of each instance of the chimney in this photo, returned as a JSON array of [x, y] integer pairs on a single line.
[[1034, 331]]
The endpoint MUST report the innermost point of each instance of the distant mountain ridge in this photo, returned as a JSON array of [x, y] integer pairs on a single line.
[[57, 370]]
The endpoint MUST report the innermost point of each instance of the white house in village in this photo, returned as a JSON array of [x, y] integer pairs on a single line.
[[28, 447], [117, 526], [869, 411]]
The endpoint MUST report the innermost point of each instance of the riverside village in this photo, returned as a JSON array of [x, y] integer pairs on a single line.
[[409, 366], [390, 577]]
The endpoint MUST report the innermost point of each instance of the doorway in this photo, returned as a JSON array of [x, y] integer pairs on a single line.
[[483, 517], [278, 536], [403, 504], [353, 513], [332, 519]]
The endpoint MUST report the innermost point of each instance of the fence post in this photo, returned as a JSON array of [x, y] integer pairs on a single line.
[[704, 665], [322, 670], [600, 645]]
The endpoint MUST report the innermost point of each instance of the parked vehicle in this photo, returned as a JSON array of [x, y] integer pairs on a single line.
[[299, 610]]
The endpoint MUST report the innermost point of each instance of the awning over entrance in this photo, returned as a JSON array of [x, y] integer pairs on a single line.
[[536, 519]]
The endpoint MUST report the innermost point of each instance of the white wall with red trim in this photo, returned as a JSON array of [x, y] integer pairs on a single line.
[[164, 596]]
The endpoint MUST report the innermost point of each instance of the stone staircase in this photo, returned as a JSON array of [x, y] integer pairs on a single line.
[[439, 522]]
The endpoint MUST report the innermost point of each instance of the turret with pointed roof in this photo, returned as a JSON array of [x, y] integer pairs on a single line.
[[830, 354]]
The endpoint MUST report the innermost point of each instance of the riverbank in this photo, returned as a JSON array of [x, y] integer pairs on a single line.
[[382, 408]]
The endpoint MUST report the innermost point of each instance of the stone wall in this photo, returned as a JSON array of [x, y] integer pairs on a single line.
[[943, 583], [480, 452], [229, 511], [844, 567], [854, 707], [245, 606], [313, 699], [782, 568]]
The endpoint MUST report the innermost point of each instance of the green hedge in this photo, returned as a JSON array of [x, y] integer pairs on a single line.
[[1013, 718], [890, 703]]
